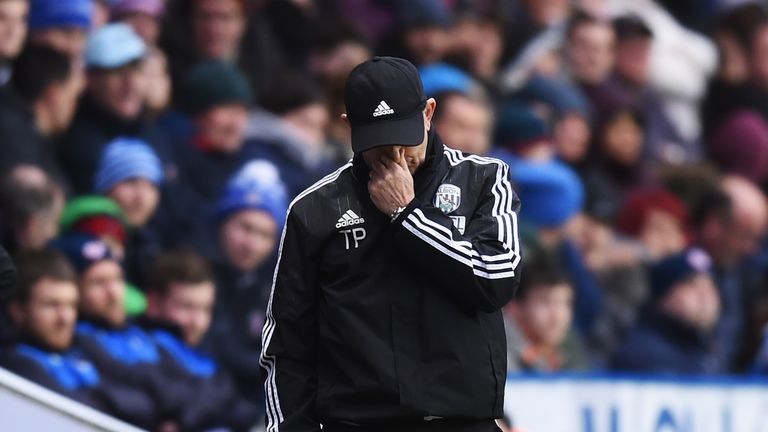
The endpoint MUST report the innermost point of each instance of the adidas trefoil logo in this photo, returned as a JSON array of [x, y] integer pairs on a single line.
[[348, 219], [382, 109]]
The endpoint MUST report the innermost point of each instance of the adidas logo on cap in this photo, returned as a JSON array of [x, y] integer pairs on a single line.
[[349, 218], [382, 109]]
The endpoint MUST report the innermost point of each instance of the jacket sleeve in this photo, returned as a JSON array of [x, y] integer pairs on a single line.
[[480, 268], [288, 357]]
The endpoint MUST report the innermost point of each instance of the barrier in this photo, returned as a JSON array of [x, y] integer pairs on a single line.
[[626, 403], [26, 406]]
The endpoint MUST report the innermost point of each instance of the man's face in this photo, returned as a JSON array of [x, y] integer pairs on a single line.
[[102, 290], [120, 91], [633, 60], [571, 136], [590, 51], [224, 127], [217, 27], [248, 238], [13, 27], [137, 198], [414, 155], [547, 313], [69, 40], [465, 125], [695, 301], [190, 306], [427, 44], [51, 312], [61, 99], [622, 140]]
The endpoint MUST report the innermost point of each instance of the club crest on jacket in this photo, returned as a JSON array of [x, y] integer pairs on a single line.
[[447, 198]]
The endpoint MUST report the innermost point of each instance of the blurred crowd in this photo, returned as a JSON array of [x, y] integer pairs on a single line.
[[149, 150]]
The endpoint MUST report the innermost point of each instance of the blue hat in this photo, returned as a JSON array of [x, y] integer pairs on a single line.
[[441, 77], [114, 46], [550, 192], [45, 14], [256, 186], [561, 97], [669, 271], [517, 125], [82, 250], [126, 158]]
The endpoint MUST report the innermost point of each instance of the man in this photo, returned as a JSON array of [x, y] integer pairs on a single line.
[[729, 224], [62, 25], [250, 215], [112, 104], [13, 31], [31, 203], [130, 173], [122, 352], [385, 308], [180, 310], [673, 333], [589, 49], [37, 107], [538, 321], [44, 311]]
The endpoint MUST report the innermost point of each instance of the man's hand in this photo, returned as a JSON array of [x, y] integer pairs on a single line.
[[391, 184]]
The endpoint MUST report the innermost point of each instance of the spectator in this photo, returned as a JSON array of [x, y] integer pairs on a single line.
[[230, 31], [30, 204], [292, 134], [423, 33], [13, 32], [617, 165], [144, 16], [532, 17], [478, 42], [250, 216], [113, 101], [523, 133], [215, 101], [674, 333], [61, 25], [181, 307], [538, 321], [658, 219], [37, 107], [97, 216], [630, 85], [44, 310], [130, 174], [120, 350], [589, 49], [729, 224]]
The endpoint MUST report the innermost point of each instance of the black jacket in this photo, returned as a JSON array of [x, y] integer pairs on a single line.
[[374, 321]]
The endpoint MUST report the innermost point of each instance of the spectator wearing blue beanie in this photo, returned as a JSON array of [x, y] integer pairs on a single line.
[[130, 173], [251, 213], [674, 332], [61, 24], [254, 197]]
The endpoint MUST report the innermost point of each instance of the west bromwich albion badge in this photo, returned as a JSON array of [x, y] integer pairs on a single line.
[[448, 198]]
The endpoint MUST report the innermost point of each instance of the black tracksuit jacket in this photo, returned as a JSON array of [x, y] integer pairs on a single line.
[[373, 321]]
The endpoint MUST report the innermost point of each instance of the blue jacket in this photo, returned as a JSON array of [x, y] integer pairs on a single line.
[[129, 357], [200, 374], [661, 343]]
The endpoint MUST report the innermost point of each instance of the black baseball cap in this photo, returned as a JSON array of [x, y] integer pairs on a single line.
[[385, 98]]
